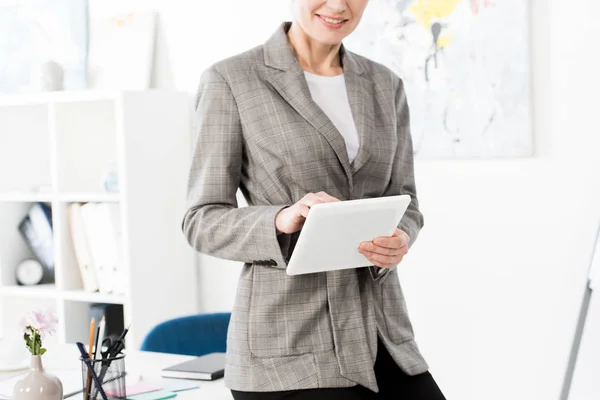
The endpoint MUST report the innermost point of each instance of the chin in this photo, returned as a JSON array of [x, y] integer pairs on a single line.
[[329, 38]]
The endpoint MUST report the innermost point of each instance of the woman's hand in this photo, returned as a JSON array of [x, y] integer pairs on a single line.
[[386, 251], [291, 219]]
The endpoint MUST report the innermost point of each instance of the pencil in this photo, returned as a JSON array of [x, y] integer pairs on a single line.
[[90, 349]]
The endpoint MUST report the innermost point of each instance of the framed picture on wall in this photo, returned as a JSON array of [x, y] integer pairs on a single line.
[[465, 65]]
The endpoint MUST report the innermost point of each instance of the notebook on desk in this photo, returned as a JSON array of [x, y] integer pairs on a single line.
[[207, 368]]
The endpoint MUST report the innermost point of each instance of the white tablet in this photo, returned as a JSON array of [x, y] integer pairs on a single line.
[[332, 233]]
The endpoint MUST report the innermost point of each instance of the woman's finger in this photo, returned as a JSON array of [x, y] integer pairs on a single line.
[[383, 265], [385, 251], [303, 210], [380, 260], [311, 200], [392, 242], [328, 198]]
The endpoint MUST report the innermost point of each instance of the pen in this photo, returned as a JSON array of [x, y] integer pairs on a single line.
[[122, 337], [86, 359]]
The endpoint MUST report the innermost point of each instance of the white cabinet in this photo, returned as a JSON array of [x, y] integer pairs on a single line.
[[59, 148]]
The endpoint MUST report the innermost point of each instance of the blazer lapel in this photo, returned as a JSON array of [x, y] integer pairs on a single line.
[[290, 83], [359, 92], [292, 86]]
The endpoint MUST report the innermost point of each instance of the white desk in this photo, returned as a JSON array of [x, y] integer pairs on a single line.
[[137, 363]]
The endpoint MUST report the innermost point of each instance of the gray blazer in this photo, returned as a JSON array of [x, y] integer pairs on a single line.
[[259, 130]]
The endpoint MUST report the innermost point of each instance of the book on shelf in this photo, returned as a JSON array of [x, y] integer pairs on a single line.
[[109, 217], [96, 234], [81, 248], [37, 231]]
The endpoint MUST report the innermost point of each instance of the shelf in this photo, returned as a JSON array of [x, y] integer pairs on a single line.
[[25, 197], [25, 99], [68, 96], [50, 291], [89, 197], [70, 147], [38, 291], [64, 197], [92, 297]]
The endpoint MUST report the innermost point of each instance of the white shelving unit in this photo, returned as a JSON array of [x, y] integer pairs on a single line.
[[57, 148]]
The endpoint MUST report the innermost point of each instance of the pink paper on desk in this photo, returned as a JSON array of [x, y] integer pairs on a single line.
[[136, 388]]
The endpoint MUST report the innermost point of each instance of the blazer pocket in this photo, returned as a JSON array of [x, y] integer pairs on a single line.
[[395, 312], [288, 316]]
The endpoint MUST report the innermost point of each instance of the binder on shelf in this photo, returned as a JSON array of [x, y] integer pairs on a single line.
[[102, 226], [82, 248], [36, 229], [94, 228], [109, 224], [121, 275]]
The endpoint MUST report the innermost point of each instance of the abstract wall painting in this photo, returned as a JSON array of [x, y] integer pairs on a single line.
[[465, 66]]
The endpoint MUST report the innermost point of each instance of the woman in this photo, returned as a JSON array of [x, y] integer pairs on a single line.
[[292, 123]]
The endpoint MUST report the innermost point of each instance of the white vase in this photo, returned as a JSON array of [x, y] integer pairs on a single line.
[[38, 384], [51, 76]]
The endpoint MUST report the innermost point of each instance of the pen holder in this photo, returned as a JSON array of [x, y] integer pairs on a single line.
[[111, 374]]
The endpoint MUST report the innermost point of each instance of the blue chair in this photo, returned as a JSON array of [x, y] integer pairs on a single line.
[[195, 335]]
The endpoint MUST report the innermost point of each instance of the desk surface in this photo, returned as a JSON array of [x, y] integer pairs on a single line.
[[138, 363]]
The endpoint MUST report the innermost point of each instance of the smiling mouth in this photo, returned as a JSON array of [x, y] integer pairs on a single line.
[[332, 21]]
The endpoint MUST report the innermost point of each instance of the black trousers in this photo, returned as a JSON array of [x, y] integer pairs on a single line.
[[393, 384]]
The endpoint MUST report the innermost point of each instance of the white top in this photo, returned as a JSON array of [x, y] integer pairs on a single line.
[[329, 92]]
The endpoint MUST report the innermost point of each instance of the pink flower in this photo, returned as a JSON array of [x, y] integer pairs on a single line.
[[44, 321]]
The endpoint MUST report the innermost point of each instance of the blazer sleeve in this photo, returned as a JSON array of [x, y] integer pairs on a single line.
[[213, 224], [403, 178]]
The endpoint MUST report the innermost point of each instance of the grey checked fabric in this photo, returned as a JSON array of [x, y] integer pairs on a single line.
[[259, 130]]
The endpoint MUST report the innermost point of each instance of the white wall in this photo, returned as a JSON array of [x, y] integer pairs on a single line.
[[495, 280]]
